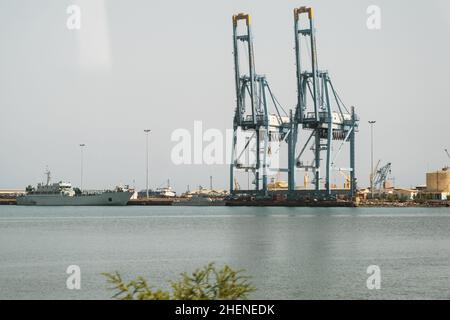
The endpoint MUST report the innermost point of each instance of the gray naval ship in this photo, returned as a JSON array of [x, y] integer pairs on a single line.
[[62, 194]]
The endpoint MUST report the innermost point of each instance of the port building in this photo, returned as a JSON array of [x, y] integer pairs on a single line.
[[438, 185]]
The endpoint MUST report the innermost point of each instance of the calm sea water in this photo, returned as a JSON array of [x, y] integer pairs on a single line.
[[291, 253]]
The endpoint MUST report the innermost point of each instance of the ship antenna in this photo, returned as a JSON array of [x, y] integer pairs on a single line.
[[47, 173]]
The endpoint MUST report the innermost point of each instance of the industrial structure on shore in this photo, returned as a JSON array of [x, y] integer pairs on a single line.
[[320, 122], [438, 185]]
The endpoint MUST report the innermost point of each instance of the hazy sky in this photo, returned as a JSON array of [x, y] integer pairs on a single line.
[[164, 64]]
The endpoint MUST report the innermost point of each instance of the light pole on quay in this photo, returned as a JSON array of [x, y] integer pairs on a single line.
[[372, 122], [82, 145], [147, 131]]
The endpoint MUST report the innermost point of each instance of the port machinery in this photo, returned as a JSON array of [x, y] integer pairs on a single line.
[[319, 120], [380, 177], [321, 112], [258, 114]]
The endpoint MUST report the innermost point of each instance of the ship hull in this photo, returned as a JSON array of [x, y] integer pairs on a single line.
[[103, 199]]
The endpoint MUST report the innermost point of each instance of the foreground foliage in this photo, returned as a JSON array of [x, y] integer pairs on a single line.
[[206, 283]]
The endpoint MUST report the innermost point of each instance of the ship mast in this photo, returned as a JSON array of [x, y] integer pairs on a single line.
[[47, 173]]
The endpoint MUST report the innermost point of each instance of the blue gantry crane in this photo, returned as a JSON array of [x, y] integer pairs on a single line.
[[321, 121], [257, 111], [321, 117]]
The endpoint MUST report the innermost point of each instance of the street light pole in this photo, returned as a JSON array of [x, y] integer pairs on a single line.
[[147, 131], [371, 158], [82, 145]]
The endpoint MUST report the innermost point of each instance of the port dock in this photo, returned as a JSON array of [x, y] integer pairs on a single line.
[[8, 202], [249, 202], [151, 202]]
